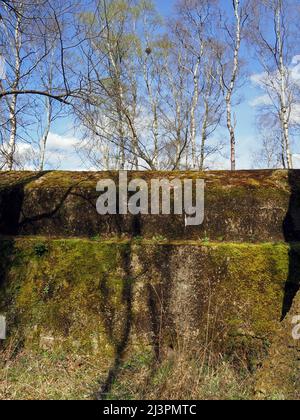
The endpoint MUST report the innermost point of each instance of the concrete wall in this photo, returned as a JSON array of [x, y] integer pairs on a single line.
[[148, 282]]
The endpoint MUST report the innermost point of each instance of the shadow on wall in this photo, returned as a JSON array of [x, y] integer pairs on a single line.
[[158, 301], [11, 203], [7, 247], [291, 230], [119, 339]]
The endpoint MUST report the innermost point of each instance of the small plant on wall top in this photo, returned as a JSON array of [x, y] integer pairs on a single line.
[[40, 249]]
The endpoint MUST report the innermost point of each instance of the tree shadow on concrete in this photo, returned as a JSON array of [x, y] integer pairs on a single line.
[[158, 302], [119, 339], [11, 203], [157, 305], [291, 230], [14, 222]]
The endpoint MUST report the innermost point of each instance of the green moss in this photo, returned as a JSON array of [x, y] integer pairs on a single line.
[[65, 179], [113, 298], [254, 278], [59, 293]]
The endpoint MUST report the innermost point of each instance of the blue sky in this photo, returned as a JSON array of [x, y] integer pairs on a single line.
[[246, 131]]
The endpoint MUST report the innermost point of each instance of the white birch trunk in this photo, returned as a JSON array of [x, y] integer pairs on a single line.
[[153, 102], [119, 101], [230, 90], [284, 115], [13, 103], [43, 142], [193, 113], [204, 134]]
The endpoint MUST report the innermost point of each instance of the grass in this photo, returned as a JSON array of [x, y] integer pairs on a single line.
[[181, 378], [47, 375]]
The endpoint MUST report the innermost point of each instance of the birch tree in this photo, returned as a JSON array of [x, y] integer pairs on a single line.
[[269, 154], [193, 28], [13, 40], [273, 37], [213, 104], [115, 70], [152, 51], [26, 29], [234, 34], [195, 34]]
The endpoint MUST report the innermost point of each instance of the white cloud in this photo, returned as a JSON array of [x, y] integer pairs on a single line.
[[261, 101], [23, 148], [58, 142], [261, 81], [295, 70], [295, 114], [295, 60], [60, 153], [296, 161], [258, 78]]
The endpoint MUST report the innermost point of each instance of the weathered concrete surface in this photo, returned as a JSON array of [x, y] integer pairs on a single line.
[[239, 206], [117, 297], [280, 374], [198, 287]]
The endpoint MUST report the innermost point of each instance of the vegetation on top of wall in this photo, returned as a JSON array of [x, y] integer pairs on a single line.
[[56, 179]]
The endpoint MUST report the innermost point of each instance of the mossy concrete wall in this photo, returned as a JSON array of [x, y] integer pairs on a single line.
[[239, 206], [280, 372], [148, 284], [118, 297]]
